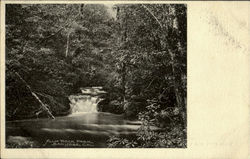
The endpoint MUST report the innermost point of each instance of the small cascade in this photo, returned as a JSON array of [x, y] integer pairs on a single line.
[[86, 101]]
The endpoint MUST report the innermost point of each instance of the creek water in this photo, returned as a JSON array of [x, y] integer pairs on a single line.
[[84, 127]]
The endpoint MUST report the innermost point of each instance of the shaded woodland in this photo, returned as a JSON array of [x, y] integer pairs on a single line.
[[136, 52]]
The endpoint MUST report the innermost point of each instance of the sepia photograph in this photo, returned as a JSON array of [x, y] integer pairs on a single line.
[[107, 79], [102, 75]]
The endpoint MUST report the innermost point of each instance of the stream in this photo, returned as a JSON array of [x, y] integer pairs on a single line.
[[85, 127]]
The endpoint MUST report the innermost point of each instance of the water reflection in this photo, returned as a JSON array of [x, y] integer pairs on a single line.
[[85, 123]]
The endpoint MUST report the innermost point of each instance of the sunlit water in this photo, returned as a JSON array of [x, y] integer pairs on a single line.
[[84, 127]]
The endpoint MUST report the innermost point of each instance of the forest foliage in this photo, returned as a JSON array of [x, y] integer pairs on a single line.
[[138, 56]]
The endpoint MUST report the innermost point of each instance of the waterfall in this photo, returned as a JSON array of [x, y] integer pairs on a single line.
[[86, 101]]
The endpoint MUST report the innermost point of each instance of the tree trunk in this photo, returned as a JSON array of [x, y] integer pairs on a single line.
[[81, 9], [124, 81], [67, 46], [43, 106], [180, 100]]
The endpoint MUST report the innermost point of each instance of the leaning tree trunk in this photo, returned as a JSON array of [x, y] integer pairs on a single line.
[[43, 106]]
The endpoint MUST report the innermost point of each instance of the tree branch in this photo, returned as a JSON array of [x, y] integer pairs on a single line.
[[152, 14], [150, 83]]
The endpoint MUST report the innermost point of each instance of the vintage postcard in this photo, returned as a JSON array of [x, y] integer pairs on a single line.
[[125, 79]]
